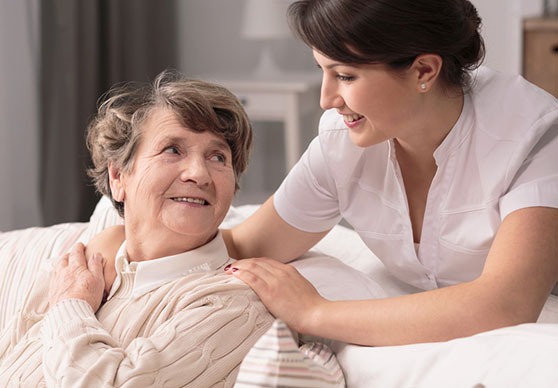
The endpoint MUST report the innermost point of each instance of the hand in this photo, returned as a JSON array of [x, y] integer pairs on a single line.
[[283, 290], [107, 244], [75, 277], [109, 273]]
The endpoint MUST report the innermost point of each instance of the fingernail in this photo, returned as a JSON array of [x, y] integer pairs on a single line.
[[234, 269], [98, 257], [227, 267]]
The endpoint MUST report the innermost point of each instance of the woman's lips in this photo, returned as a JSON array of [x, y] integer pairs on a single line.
[[352, 120]]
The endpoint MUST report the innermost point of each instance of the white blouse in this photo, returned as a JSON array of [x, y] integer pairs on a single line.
[[501, 155]]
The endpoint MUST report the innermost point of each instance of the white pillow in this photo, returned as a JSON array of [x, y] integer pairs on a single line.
[[518, 356], [335, 280]]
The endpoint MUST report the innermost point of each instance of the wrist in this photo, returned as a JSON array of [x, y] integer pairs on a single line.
[[315, 317]]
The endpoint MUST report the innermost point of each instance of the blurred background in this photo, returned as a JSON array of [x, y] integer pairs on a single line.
[[57, 57]]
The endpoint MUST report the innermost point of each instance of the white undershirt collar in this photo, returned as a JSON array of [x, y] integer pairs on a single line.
[[151, 274]]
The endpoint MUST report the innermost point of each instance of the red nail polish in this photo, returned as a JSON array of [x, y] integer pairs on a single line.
[[227, 267], [234, 269]]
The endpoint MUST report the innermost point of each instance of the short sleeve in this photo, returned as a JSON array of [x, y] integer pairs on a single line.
[[536, 181], [307, 198]]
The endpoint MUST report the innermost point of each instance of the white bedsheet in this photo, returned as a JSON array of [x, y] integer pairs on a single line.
[[522, 356], [518, 356]]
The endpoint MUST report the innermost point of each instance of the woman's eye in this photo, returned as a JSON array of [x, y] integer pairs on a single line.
[[345, 78], [171, 150], [219, 158]]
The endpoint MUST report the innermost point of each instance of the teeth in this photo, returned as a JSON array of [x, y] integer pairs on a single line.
[[191, 200], [353, 117]]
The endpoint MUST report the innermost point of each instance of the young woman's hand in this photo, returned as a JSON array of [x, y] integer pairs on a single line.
[[283, 290], [75, 277]]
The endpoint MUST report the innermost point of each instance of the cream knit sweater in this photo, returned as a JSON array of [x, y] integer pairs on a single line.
[[192, 331]]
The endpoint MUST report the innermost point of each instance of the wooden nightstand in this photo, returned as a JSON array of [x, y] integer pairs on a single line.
[[293, 99], [540, 52]]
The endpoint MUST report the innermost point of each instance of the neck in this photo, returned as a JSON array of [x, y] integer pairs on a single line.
[[143, 247], [440, 111]]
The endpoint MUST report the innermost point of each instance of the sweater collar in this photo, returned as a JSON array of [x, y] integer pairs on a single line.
[[151, 274]]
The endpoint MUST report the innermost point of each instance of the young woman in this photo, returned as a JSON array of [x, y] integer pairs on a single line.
[[447, 170]]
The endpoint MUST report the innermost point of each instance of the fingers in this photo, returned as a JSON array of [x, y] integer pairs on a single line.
[[75, 277], [77, 255], [252, 270], [95, 265], [63, 262], [253, 264], [265, 276]]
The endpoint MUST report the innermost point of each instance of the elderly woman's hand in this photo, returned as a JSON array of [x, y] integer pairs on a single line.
[[74, 277]]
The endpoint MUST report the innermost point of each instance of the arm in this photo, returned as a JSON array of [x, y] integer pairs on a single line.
[[266, 234], [519, 273], [200, 346], [201, 343]]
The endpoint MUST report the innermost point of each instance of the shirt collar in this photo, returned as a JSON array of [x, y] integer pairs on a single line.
[[458, 133], [454, 138], [151, 274]]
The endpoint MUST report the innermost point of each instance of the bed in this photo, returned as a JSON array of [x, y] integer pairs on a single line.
[[341, 267]]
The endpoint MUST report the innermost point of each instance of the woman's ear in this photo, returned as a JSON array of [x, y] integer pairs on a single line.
[[426, 68], [116, 184]]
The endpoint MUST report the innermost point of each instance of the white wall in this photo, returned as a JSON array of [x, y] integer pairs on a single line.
[[211, 42], [19, 52], [502, 30]]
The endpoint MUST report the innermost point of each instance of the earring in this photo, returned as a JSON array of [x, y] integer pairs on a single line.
[[423, 86]]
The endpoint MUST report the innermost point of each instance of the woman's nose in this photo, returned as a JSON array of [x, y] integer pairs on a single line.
[[329, 96], [195, 170]]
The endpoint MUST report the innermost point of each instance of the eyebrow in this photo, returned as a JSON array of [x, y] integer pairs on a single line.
[[216, 143], [220, 144], [331, 65]]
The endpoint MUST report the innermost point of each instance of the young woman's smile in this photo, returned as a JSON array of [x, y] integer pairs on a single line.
[[376, 103]]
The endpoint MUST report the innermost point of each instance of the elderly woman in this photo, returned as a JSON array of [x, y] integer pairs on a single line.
[[169, 156]]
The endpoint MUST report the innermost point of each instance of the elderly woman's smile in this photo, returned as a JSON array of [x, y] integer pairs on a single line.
[[199, 201], [179, 188]]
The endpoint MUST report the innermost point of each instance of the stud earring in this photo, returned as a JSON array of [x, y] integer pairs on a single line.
[[423, 86]]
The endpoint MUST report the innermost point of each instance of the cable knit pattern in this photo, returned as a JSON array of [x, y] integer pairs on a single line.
[[193, 331]]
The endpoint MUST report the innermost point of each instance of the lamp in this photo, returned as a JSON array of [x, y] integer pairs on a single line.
[[265, 20]]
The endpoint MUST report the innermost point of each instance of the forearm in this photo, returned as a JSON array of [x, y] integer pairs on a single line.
[[520, 271], [71, 337], [431, 316], [78, 351]]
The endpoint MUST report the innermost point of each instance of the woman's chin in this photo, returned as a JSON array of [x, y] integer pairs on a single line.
[[188, 234]]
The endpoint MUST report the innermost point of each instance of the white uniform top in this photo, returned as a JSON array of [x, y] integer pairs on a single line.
[[501, 155]]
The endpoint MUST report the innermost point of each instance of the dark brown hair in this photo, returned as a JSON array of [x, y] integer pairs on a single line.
[[393, 32], [115, 133]]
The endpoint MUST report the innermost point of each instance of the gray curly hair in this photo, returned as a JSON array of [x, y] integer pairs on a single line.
[[114, 135]]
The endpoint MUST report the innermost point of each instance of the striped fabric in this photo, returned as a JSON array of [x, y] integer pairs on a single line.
[[276, 361], [22, 251]]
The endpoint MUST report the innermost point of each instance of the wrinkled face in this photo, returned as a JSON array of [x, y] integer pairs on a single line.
[[181, 184], [377, 103]]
